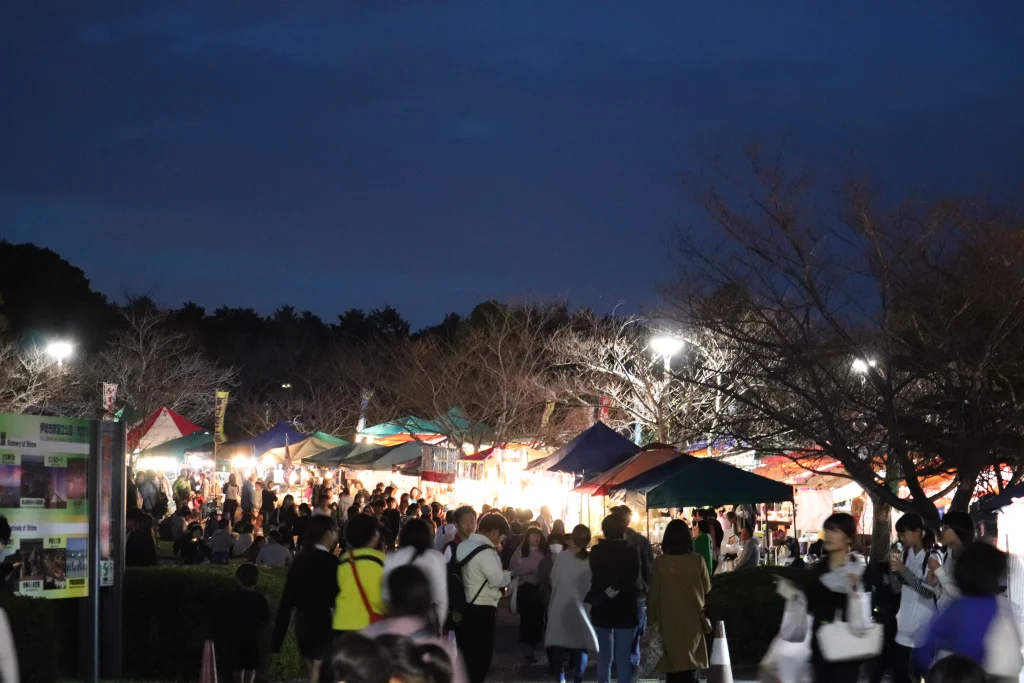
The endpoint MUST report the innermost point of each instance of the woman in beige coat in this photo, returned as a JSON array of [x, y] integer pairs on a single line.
[[679, 584]]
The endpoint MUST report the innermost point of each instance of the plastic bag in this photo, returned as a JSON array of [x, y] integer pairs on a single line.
[[794, 620], [787, 662], [513, 595], [858, 612]]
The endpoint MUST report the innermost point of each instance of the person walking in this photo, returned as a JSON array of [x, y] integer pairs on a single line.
[[680, 583], [232, 494], [248, 501], [412, 614], [525, 569], [249, 615], [827, 589], [359, 602], [311, 590], [570, 636], [918, 601], [645, 550], [614, 599], [482, 578], [978, 624], [414, 549]]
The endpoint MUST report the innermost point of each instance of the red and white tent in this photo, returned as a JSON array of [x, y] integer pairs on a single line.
[[162, 426]]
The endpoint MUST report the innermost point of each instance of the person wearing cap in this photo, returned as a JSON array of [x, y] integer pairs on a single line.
[[957, 534]]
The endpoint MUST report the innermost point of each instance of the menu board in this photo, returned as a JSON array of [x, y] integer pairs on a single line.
[[43, 494]]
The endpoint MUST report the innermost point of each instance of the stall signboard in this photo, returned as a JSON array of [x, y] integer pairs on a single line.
[[44, 463]]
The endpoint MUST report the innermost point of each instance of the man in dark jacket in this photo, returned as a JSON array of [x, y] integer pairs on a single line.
[[645, 551], [614, 598]]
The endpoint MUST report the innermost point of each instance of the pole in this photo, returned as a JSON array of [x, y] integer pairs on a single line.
[[648, 523]]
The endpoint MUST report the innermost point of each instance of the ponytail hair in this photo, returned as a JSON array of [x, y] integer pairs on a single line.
[[356, 659], [414, 662], [581, 539]]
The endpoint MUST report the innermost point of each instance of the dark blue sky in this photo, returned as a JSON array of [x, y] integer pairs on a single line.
[[434, 154]]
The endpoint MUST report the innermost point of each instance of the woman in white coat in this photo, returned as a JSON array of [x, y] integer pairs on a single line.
[[570, 636], [415, 548]]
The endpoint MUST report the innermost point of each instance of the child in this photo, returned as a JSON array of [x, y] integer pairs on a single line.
[[250, 614]]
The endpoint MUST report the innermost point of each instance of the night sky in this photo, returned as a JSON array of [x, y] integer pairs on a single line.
[[434, 154]]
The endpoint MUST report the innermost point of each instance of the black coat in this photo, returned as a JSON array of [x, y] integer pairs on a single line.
[[140, 550], [614, 565]]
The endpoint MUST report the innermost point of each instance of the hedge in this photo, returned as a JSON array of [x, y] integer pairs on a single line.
[[169, 613], [750, 608]]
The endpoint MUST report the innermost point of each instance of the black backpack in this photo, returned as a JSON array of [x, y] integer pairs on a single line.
[[457, 602]]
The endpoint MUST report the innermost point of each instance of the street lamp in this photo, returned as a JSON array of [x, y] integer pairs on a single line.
[[666, 347], [59, 350], [861, 365]]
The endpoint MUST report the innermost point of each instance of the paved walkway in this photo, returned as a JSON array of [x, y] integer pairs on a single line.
[[508, 665]]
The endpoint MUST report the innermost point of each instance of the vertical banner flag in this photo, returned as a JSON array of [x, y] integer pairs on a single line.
[[109, 394], [606, 405], [364, 403], [220, 409], [549, 409]]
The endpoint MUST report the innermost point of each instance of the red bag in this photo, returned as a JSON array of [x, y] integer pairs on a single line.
[[374, 616]]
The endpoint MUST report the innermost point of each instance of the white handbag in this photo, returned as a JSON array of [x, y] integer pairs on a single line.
[[856, 638]]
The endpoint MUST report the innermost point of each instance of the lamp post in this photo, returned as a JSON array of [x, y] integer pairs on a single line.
[[666, 347], [59, 350]]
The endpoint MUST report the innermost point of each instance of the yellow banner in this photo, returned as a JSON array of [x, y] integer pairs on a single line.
[[220, 409]]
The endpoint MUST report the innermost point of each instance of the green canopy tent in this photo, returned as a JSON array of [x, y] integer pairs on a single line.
[[393, 457], [327, 438], [335, 457], [704, 482], [177, 448]]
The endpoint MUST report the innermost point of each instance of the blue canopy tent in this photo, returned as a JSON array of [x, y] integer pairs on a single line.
[[1001, 500], [704, 482], [595, 450], [278, 436]]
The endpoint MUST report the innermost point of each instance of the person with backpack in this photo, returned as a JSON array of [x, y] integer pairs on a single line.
[[359, 602], [475, 580], [414, 548], [465, 525], [918, 601]]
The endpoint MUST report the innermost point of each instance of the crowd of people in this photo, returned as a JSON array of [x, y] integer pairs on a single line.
[[937, 607], [384, 575]]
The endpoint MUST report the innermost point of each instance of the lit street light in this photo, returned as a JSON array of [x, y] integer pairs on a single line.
[[861, 366], [666, 347], [59, 350]]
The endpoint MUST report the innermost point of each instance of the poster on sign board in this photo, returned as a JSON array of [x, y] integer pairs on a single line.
[[43, 494]]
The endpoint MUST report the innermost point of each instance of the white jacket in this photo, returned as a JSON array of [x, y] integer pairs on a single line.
[[432, 564], [484, 576], [948, 590], [917, 600]]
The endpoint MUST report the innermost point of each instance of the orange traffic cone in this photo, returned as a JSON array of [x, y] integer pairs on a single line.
[[208, 671], [720, 666]]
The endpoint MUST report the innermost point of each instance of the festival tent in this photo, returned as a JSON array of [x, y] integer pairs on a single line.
[[704, 482], [280, 435], [162, 426], [316, 443], [177, 448], [603, 483], [393, 457], [337, 455], [595, 450], [406, 429]]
